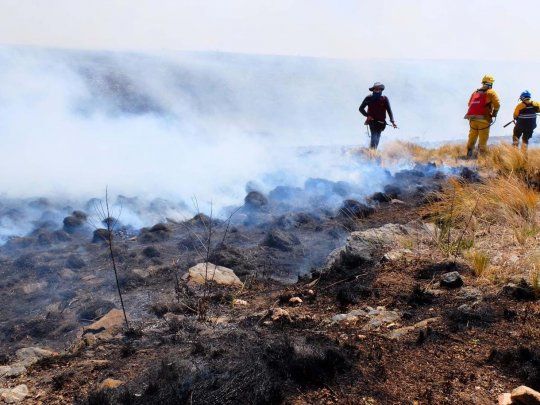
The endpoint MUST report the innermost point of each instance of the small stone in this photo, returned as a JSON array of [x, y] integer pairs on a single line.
[[110, 384], [280, 314], [525, 395], [295, 301], [451, 280], [310, 292], [239, 303], [14, 395], [203, 272]]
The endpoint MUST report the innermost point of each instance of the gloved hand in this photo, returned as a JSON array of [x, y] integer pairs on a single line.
[[369, 119], [394, 124]]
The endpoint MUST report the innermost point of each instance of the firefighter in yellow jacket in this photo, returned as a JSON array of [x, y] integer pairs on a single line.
[[525, 119], [483, 108]]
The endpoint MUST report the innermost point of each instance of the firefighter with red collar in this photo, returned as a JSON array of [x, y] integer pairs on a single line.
[[525, 118], [484, 105], [377, 107]]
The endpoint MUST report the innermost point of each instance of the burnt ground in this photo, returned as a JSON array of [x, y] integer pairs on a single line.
[[237, 354]]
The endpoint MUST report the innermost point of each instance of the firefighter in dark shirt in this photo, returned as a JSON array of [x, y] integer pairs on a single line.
[[377, 107], [525, 117]]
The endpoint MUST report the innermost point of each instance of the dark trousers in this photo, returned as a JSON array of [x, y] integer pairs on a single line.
[[525, 131], [375, 128]]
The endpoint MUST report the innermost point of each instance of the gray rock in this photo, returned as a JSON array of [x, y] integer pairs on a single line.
[[255, 199], [451, 280], [13, 370], [470, 294], [31, 355], [14, 395], [281, 240]]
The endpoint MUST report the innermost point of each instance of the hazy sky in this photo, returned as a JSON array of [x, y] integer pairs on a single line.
[[477, 29]]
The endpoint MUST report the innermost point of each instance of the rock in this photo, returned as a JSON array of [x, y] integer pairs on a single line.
[[395, 201], [451, 280], [469, 294], [354, 209], [278, 239], [110, 384], [380, 317], [73, 223], [13, 370], [280, 314], [392, 191], [521, 291], [211, 272], [505, 399], [363, 245], [14, 395], [400, 332], [525, 395], [239, 303], [255, 199], [377, 317], [28, 356], [100, 235], [295, 300], [233, 258], [158, 233], [351, 316], [381, 197], [396, 254], [108, 326]]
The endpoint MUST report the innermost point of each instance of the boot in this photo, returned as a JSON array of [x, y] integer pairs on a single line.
[[524, 146]]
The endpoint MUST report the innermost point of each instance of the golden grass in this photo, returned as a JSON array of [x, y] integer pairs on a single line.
[[508, 160], [448, 153], [504, 199], [535, 272], [478, 260]]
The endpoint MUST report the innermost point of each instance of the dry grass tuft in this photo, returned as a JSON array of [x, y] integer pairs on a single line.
[[535, 272], [507, 160], [499, 200], [478, 260], [448, 153]]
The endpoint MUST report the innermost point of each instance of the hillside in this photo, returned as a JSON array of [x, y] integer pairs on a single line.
[[425, 293]]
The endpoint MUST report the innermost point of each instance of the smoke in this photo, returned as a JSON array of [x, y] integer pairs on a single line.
[[175, 126]]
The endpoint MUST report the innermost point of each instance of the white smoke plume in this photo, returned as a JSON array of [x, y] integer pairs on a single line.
[[205, 124]]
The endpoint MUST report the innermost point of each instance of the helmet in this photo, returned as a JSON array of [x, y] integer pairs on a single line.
[[525, 95], [377, 85], [488, 79]]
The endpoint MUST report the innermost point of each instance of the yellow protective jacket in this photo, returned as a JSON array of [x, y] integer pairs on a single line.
[[523, 110], [492, 103]]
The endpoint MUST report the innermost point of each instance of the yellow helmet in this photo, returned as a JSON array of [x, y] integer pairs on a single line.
[[488, 79]]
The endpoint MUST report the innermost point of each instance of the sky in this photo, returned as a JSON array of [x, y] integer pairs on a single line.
[[411, 29]]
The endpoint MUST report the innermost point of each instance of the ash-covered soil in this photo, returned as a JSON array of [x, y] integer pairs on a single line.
[[373, 322]]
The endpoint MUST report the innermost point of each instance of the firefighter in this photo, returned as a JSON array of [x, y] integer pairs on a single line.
[[377, 107], [483, 108], [525, 118]]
